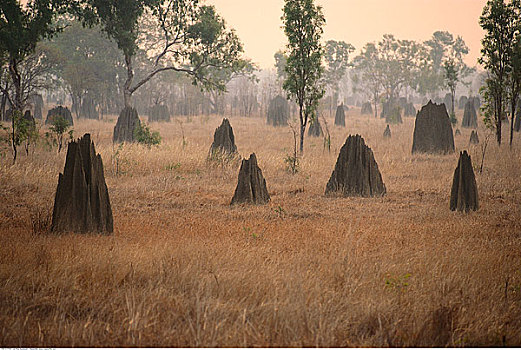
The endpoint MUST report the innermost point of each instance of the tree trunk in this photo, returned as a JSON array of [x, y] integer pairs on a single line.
[[302, 130], [452, 93], [18, 104], [127, 93], [499, 117], [512, 117]]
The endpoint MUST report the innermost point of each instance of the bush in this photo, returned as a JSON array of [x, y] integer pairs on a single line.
[[143, 135]]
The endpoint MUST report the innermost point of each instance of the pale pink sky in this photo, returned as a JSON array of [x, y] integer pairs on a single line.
[[258, 23]]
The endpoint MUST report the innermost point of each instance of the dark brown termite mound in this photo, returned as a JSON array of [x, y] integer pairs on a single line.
[[356, 172], [457, 132], [251, 186], [464, 193], [340, 116], [387, 132], [474, 139], [223, 141], [433, 130], [278, 111], [128, 121], [82, 203], [59, 111], [470, 118]]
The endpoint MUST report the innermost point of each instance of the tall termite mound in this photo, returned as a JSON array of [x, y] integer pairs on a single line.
[[474, 139], [356, 172], [251, 185], [88, 108], [367, 108], [462, 102], [340, 116], [128, 121], [223, 140], [470, 118], [464, 192], [433, 130], [82, 202], [315, 129], [278, 111]]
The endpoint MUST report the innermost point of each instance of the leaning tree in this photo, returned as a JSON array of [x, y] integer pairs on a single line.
[[176, 35]]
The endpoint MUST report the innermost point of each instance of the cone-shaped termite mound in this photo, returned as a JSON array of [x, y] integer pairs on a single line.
[[367, 108], [128, 121], [356, 172], [387, 132], [223, 140], [59, 111], [340, 116], [474, 139], [278, 111], [251, 186], [457, 132], [470, 118], [464, 193], [315, 129], [433, 130], [82, 202]]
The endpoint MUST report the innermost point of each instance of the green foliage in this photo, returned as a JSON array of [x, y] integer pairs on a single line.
[[280, 65], [292, 163], [303, 26], [173, 166], [59, 127], [398, 283], [501, 22], [280, 211], [337, 61], [144, 136], [180, 36]]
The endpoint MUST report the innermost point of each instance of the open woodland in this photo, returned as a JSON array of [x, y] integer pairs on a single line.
[[184, 268]]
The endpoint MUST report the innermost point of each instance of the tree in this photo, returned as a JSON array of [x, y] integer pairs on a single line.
[[337, 61], [21, 28], [454, 69], [367, 74], [514, 77], [451, 79], [498, 20], [176, 35], [87, 64], [303, 25]]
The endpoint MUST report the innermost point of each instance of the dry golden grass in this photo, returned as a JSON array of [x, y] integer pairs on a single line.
[[183, 268]]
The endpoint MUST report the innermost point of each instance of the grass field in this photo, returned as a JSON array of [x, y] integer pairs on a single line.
[[183, 268]]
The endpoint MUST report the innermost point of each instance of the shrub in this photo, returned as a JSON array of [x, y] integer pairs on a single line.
[[143, 135]]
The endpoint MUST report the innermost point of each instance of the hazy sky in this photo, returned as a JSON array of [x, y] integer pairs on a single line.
[[258, 23]]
